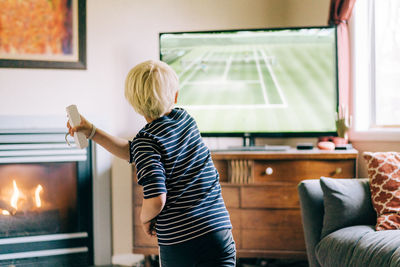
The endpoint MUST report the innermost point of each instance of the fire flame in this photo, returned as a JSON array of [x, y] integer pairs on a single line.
[[5, 212], [15, 196], [39, 188]]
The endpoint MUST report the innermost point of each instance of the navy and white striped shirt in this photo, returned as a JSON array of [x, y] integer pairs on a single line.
[[170, 157]]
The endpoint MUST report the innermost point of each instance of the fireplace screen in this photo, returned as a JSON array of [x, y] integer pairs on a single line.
[[38, 198], [46, 208]]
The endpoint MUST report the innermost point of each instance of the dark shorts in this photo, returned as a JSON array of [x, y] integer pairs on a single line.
[[215, 249]]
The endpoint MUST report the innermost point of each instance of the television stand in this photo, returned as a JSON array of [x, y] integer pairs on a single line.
[[260, 193], [248, 140]]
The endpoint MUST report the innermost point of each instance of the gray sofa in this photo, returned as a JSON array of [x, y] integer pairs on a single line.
[[338, 221]]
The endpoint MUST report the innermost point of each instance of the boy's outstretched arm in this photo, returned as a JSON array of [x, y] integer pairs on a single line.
[[117, 146]]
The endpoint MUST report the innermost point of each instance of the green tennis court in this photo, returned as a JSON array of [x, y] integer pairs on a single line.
[[291, 84]]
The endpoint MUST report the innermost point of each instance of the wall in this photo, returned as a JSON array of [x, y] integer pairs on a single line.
[[120, 34], [307, 12]]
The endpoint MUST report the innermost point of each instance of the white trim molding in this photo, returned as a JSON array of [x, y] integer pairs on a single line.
[[362, 70], [42, 253]]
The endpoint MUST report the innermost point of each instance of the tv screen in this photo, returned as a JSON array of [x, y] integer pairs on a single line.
[[266, 82]]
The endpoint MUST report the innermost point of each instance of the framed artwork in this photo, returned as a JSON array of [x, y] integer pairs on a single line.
[[43, 34]]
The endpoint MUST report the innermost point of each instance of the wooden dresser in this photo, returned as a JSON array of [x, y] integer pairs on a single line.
[[260, 192]]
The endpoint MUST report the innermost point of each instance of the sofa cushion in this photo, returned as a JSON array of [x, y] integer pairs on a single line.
[[336, 249], [378, 248], [312, 212], [395, 261], [360, 245], [347, 202], [384, 174]]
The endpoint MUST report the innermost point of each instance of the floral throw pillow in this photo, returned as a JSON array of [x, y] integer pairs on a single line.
[[384, 176]]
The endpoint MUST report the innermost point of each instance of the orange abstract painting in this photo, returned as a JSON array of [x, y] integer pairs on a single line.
[[39, 30]]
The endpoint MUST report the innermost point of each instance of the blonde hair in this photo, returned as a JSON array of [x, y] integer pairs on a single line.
[[150, 88]]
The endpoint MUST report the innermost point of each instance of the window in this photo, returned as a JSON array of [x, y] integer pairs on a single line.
[[375, 37]]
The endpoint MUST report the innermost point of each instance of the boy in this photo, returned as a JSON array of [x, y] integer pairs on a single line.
[[181, 189]]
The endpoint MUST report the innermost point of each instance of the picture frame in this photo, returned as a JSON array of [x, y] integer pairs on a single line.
[[46, 35]]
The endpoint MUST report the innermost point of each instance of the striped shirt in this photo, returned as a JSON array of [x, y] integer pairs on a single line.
[[170, 157]]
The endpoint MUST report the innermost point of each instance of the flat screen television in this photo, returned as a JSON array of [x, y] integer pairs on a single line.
[[275, 82]]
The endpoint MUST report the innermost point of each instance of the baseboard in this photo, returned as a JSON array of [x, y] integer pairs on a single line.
[[127, 259]]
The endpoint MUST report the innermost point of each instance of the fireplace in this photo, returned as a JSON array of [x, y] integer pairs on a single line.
[[45, 200]]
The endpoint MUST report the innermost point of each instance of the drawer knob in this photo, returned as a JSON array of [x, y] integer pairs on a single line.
[[269, 171], [338, 170]]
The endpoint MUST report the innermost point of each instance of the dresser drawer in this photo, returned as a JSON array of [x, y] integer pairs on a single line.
[[269, 196], [272, 229], [230, 196], [297, 170], [237, 236], [288, 238], [270, 218], [235, 216]]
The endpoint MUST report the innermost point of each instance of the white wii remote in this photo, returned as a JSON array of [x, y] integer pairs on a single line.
[[75, 120]]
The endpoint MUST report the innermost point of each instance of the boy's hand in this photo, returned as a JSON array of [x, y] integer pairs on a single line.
[[85, 127], [150, 228]]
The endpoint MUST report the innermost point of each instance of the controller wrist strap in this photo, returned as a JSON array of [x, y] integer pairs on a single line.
[[93, 132]]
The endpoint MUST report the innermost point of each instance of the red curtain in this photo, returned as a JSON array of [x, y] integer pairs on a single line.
[[340, 12]]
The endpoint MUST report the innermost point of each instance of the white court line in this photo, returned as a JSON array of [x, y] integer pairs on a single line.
[[190, 65], [228, 66], [195, 70], [274, 79], [263, 88], [232, 107]]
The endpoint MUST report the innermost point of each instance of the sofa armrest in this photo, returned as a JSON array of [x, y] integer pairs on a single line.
[[312, 213]]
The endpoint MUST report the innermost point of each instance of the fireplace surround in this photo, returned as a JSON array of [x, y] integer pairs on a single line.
[[46, 208]]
